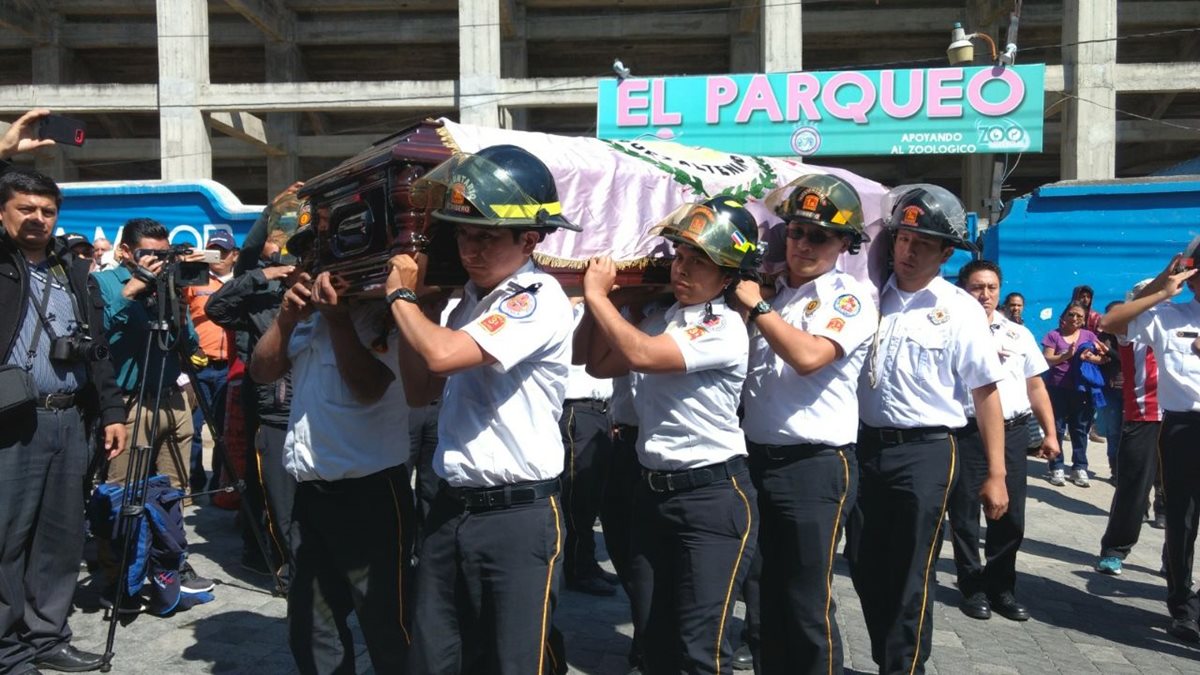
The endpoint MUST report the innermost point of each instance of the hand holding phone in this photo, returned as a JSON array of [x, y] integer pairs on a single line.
[[60, 129]]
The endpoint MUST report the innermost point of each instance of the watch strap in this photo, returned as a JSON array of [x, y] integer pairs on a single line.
[[401, 294]]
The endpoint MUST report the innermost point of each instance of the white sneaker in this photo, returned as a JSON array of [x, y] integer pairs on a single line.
[[1056, 477], [1080, 478]]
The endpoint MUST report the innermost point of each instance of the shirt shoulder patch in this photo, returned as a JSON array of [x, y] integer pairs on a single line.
[[695, 332], [836, 324], [712, 322], [520, 305], [492, 323], [847, 305]]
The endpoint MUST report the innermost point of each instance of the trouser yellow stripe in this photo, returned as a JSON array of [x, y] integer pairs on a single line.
[[549, 583], [733, 576], [937, 533], [833, 538]]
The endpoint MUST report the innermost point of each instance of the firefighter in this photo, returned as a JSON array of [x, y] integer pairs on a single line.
[[695, 515], [807, 346], [489, 570], [932, 340]]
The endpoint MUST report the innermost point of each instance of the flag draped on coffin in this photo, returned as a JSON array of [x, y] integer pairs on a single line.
[[618, 190]]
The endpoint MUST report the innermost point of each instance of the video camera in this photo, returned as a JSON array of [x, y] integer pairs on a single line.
[[182, 272]]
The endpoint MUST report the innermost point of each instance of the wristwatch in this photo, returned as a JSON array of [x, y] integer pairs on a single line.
[[758, 310], [401, 294]]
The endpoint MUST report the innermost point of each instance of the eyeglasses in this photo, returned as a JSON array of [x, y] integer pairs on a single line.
[[816, 236], [1077, 317]]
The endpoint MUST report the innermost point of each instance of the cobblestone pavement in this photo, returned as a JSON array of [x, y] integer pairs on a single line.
[[1082, 622]]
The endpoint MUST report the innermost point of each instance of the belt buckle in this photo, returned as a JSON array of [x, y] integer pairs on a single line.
[[650, 476], [891, 436], [773, 452]]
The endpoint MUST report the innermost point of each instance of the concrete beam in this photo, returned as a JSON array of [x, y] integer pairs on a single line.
[[298, 96], [267, 15], [19, 98], [141, 149], [245, 127], [1156, 77]]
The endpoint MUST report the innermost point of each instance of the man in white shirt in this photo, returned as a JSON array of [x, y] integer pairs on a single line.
[[1172, 330], [346, 445], [932, 340], [992, 586], [807, 346], [489, 570]]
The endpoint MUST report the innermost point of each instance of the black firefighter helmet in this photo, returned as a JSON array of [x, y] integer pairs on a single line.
[[929, 209], [499, 186], [721, 227]]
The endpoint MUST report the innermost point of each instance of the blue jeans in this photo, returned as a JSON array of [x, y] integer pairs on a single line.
[[1109, 419], [1073, 413], [211, 386]]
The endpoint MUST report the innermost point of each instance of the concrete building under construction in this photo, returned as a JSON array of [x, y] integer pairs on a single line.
[[257, 93]]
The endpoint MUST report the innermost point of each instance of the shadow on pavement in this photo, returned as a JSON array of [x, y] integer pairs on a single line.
[[1091, 613], [1060, 498]]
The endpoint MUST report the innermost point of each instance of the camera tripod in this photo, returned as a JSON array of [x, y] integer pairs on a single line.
[[164, 333]]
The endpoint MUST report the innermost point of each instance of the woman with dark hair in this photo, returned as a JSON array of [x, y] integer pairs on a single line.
[[695, 518], [1065, 349], [1014, 308], [1084, 295]]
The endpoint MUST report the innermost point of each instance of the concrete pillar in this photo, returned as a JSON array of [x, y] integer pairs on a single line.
[[746, 39], [977, 170], [186, 150], [478, 61], [514, 62], [781, 31], [50, 65], [1089, 138], [283, 65]]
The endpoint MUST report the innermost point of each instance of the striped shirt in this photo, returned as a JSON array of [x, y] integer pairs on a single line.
[[1140, 392]]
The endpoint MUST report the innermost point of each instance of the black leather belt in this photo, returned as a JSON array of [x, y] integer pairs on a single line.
[[218, 363], [973, 423], [504, 496], [56, 401], [1017, 421], [796, 451], [593, 403], [892, 436], [688, 479], [1190, 416]]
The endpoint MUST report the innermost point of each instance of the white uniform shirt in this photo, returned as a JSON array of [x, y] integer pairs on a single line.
[[1170, 329], [330, 434], [620, 408], [499, 422], [928, 346], [689, 419], [1021, 358], [786, 408], [580, 385]]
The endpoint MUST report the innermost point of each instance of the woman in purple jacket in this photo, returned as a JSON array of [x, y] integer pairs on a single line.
[[1064, 348]]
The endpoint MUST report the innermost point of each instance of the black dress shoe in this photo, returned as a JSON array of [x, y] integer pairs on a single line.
[[976, 606], [68, 659], [591, 586], [1185, 629], [743, 658], [1006, 605]]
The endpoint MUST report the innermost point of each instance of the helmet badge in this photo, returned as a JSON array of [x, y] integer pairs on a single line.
[[911, 214], [741, 243], [811, 201]]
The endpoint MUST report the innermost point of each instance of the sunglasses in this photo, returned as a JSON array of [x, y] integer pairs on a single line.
[[816, 236]]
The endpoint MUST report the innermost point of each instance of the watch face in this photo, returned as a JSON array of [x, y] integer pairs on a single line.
[[762, 307]]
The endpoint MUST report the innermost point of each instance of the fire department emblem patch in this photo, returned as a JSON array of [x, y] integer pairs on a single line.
[[847, 305], [519, 306]]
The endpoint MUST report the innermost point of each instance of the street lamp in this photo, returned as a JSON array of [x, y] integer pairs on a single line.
[[962, 50]]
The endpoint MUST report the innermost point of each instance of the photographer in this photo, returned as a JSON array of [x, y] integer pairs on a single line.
[[54, 382], [247, 305], [128, 292]]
